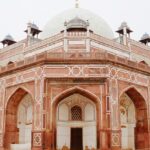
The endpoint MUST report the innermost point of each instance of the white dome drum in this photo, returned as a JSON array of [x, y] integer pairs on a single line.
[[96, 23]]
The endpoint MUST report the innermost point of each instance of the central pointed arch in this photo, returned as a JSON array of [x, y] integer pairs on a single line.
[[74, 90], [70, 92]]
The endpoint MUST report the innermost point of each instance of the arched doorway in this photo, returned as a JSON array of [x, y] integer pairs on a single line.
[[76, 120], [128, 122], [18, 123], [76, 123], [134, 121]]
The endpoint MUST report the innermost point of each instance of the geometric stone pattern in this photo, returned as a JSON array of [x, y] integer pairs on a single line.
[[37, 139], [115, 139], [76, 71]]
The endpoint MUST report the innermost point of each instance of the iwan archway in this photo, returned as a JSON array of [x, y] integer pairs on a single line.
[[18, 124], [76, 122], [133, 120]]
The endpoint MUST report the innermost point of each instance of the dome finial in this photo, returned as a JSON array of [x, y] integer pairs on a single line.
[[77, 4]]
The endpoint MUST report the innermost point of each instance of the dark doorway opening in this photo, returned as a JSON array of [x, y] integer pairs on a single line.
[[76, 139]]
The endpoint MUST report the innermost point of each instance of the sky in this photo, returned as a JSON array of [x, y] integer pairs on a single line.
[[15, 14]]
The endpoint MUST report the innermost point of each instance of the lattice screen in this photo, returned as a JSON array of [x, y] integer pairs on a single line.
[[76, 113]]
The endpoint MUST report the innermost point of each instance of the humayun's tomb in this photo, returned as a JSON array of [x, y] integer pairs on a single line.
[[75, 86]]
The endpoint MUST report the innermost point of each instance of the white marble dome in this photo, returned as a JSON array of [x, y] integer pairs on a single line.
[[96, 23]]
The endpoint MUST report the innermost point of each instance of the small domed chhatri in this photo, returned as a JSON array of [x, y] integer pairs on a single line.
[[8, 40], [77, 24], [145, 38], [96, 23], [124, 25], [33, 28]]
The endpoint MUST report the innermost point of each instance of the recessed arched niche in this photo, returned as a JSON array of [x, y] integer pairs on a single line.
[[76, 115]]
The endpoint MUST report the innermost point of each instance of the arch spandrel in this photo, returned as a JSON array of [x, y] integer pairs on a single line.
[[143, 91], [136, 90], [11, 91], [73, 90]]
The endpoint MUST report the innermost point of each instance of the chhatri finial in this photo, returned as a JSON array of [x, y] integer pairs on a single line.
[[77, 4]]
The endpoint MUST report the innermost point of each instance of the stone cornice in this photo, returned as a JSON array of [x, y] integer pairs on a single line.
[[74, 58]]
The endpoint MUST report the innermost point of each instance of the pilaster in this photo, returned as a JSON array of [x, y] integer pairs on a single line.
[[115, 116], [105, 112], [2, 109], [148, 115], [37, 132]]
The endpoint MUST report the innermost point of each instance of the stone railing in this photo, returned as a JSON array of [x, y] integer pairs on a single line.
[[11, 50], [76, 34], [20, 47], [108, 42], [75, 58], [45, 43], [139, 44], [13, 46]]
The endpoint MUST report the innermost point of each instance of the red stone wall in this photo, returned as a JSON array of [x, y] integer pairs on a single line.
[[48, 83]]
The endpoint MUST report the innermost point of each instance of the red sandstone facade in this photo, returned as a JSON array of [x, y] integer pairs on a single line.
[[87, 69]]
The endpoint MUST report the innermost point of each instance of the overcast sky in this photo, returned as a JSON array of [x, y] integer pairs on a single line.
[[15, 14]]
